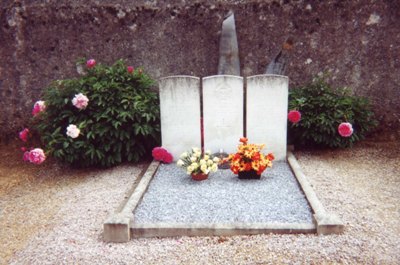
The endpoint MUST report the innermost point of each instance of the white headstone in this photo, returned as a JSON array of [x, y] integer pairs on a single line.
[[180, 113], [266, 116], [222, 112]]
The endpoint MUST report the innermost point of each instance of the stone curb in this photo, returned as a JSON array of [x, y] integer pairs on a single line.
[[327, 223], [117, 226], [174, 230]]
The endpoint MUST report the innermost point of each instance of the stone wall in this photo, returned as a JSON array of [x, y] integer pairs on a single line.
[[358, 42]]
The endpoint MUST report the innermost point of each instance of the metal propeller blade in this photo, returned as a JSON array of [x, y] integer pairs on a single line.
[[228, 48], [278, 65]]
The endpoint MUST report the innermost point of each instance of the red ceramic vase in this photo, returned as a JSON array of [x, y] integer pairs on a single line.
[[199, 176]]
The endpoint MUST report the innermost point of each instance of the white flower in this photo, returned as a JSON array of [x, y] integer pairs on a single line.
[[73, 131], [194, 165], [206, 157], [193, 159], [180, 162], [210, 162], [214, 168], [216, 159], [208, 152], [184, 154], [80, 101], [203, 162]]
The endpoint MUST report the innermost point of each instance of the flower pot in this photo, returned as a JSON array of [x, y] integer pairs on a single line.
[[250, 174], [199, 176]]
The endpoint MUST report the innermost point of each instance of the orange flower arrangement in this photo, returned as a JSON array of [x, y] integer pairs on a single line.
[[249, 157]]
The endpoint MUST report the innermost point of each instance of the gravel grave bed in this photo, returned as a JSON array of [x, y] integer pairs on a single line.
[[173, 197]]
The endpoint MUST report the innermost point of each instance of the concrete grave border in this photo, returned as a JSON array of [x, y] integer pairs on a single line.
[[120, 226]]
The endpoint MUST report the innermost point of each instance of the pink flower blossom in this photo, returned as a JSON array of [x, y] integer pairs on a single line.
[[158, 153], [294, 116], [80, 101], [168, 158], [26, 156], [130, 69], [36, 156], [345, 129], [90, 63], [38, 107], [73, 131], [23, 135]]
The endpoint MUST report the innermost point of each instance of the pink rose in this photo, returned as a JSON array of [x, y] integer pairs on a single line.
[[26, 156], [168, 158], [23, 135], [294, 116], [36, 156], [345, 129], [130, 69], [73, 131], [90, 63], [38, 107], [158, 153], [80, 101]]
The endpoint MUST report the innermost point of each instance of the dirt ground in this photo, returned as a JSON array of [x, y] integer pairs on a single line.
[[29, 200], [24, 185]]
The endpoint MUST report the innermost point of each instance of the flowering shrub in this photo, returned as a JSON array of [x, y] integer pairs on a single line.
[[249, 157], [104, 117], [194, 162], [323, 109], [161, 154]]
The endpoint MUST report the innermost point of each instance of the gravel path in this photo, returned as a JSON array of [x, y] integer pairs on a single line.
[[361, 185], [173, 197]]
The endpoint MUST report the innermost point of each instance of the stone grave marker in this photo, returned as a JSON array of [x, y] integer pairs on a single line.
[[266, 116], [180, 113], [222, 112]]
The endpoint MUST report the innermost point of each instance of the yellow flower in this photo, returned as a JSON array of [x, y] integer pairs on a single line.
[[195, 149], [204, 169], [189, 170]]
